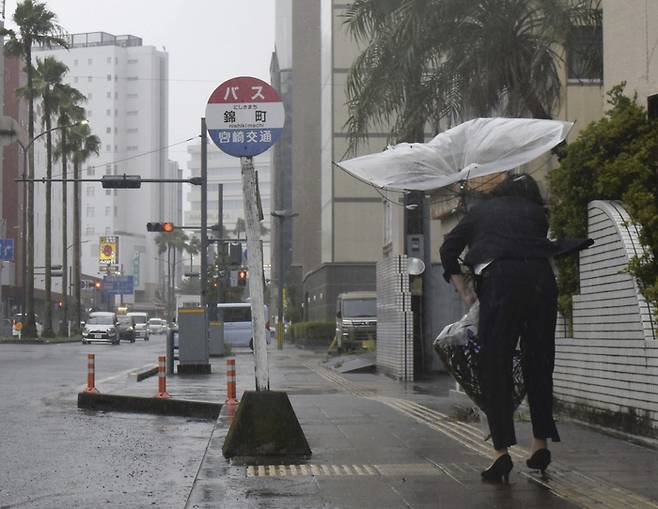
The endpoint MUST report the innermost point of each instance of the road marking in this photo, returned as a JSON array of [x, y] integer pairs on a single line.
[[585, 490], [381, 470]]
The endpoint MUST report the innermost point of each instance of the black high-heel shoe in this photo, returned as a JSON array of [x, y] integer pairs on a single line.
[[540, 459], [499, 470]]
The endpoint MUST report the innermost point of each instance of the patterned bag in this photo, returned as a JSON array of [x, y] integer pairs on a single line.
[[457, 346]]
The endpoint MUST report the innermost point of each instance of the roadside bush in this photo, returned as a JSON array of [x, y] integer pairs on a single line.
[[312, 333], [614, 158]]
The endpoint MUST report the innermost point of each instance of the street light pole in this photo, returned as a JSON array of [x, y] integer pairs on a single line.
[[282, 215]]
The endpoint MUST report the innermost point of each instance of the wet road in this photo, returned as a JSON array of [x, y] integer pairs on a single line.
[[53, 455]]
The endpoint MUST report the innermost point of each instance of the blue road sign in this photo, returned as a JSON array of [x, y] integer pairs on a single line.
[[7, 250], [118, 285]]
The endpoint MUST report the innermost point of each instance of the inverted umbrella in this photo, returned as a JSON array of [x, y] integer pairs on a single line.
[[473, 149]]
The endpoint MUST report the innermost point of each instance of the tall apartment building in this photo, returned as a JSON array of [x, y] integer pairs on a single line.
[[224, 169], [338, 235], [126, 85]]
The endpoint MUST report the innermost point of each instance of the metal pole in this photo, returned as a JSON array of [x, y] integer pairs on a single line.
[[204, 214], [221, 246], [280, 282]]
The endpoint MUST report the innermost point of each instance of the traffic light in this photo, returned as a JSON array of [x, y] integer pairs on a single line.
[[98, 285], [242, 277], [235, 253], [160, 227], [121, 181]]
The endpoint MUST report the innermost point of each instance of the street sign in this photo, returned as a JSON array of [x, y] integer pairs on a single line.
[[136, 269], [6, 250], [117, 285], [244, 116]]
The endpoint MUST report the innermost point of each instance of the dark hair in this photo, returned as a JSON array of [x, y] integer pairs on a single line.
[[521, 186]]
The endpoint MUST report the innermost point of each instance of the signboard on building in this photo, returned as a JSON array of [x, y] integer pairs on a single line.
[[117, 285], [244, 116], [136, 269], [108, 251]]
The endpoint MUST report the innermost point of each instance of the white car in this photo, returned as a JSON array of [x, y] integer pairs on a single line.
[[101, 327], [141, 324], [156, 326]]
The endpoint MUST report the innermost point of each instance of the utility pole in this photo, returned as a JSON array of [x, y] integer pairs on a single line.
[[204, 215], [221, 246]]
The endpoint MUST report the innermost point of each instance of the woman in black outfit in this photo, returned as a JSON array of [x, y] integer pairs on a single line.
[[509, 253]]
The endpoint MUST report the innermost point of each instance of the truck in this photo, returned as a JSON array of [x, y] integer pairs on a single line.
[[356, 320]]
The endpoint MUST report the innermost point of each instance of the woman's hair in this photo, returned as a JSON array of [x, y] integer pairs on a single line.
[[521, 185]]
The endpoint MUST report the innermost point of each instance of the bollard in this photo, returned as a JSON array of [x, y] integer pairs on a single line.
[[230, 382], [162, 378], [91, 373]]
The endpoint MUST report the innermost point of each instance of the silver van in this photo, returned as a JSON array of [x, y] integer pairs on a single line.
[[236, 317], [101, 327]]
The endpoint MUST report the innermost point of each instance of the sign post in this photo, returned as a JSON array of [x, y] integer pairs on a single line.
[[245, 117]]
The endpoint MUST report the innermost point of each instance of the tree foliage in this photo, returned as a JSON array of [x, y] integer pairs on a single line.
[[615, 158], [427, 61]]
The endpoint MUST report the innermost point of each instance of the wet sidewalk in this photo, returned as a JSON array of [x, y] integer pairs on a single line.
[[378, 443]]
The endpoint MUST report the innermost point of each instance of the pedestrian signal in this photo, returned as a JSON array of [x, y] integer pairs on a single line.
[[160, 227]]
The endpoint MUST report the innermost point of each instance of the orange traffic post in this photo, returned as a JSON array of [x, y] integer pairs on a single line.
[[91, 373], [230, 382], [162, 378]]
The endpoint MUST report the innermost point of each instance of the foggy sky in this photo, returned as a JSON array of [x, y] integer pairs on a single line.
[[208, 41]]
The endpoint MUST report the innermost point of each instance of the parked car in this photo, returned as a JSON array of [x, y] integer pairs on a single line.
[[101, 327], [141, 322], [126, 326], [18, 319], [156, 326], [237, 323]]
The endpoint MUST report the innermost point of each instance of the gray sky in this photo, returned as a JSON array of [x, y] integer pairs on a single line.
[[208, 41]]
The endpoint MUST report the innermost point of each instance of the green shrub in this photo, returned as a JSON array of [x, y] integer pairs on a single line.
[[614, 158], [313, 333]]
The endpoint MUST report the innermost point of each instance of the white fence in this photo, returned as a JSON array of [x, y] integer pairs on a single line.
[[609, 367]]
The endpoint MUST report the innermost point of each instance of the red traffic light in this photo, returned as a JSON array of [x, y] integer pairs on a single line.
[[98, 284], [242, 277], [160, 227]]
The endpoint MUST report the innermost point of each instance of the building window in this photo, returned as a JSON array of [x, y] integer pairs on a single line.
[[131, 148], [90, 231], [132, 113], [116, 170], [108, 95], [109, 77], [108, 113], [108, 169], [108, 211], [90, 79], [75, 62], [90, 190], [131, 78], [90, 61], [132, 60], [90, 211], [116, 210], [91, 170], [108, 130], [108, 192], [108, 148], [90, 96], [585, 54], [109, 60], [75, 79], [108, 230], [132, 130], [132, 96]]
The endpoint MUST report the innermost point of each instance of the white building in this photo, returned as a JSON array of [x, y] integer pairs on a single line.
[[224, 169], [126, 85]]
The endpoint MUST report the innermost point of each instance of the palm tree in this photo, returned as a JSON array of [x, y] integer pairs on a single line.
[[69, 113], [83, 145], [172, 243], [428, 60], [49, 75], [36, 25]]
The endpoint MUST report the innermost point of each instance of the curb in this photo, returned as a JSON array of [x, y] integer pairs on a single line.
[[156, 406], [146, 372]]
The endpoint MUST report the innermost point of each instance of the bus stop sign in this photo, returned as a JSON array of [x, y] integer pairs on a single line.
[[244, 116]]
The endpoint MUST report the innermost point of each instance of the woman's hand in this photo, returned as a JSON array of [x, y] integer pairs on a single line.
[[464, 290]]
